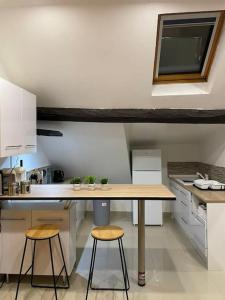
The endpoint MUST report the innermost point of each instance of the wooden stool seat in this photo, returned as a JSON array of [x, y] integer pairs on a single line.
[[42, 232], [107, 233]]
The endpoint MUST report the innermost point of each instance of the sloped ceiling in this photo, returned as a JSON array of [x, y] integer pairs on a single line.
[[96, 54], [155, 134]]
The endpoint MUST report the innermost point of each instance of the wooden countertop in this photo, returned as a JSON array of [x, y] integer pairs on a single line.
[[205, 196], [114, 191]]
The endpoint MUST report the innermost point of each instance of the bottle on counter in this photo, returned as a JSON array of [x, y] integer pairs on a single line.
[[20, 172]]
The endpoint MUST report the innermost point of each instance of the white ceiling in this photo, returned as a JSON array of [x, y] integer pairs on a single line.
[[96, 54]]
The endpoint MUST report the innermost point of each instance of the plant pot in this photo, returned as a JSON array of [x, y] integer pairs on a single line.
[[104, 186], [77, 186], [91, 186]]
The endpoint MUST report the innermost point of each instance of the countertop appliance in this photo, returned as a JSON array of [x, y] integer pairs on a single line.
[[58, 176], [146, 169]]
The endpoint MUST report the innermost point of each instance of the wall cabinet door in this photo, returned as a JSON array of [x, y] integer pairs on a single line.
[[14, 223], [17, 120], [10, 122], [29, 121]]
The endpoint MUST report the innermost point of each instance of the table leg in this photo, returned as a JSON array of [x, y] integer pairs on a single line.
[[141, 242]]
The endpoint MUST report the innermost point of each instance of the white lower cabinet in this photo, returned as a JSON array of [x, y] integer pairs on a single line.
[[80, 211], [185, 215], [14, 224], [199, 234]]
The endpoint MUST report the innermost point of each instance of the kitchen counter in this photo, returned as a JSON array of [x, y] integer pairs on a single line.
[[114, 191], [205, 196]]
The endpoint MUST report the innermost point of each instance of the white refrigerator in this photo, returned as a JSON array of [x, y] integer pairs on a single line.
[[146, 169]]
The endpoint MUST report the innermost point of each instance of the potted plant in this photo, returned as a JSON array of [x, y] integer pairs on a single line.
[[90, 181], [104, 183], [76, 181]]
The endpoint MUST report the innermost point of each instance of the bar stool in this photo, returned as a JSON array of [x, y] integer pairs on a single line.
[[108, 233], [41, 233]]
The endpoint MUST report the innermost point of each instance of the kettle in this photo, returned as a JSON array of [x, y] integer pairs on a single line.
[[58, 176]]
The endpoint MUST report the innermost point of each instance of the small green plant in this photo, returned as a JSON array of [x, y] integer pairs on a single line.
[[104, 180], [89, 179], [76, 180]]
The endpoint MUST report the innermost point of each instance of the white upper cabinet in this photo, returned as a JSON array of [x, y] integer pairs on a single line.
[[29, 121], [17, 120]]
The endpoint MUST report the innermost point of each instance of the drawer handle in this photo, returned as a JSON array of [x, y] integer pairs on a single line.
[[30, 146], [13, 219], [50, 220], [184, 221], [184, 203], [13, 147]]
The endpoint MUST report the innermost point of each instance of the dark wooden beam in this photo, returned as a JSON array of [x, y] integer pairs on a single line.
[[185, 116], [46, 132]]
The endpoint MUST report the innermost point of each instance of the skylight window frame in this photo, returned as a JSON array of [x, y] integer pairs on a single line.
[[189, 77]]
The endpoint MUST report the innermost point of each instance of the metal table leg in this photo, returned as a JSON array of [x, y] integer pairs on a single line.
[[141, 242]]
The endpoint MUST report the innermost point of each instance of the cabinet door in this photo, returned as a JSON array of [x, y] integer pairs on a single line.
[[80, 211], [72, 238], [11, 115], [14, 223], [29, 121], [175, 208], [42, 257]]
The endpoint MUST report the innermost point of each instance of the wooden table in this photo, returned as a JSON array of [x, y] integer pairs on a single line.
[[114, 192]]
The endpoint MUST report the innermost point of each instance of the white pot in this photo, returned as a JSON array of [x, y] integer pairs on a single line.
[[104, 186], [77, 186], [91, 187]]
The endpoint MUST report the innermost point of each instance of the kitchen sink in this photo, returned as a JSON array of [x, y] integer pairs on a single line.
[[189, 180]]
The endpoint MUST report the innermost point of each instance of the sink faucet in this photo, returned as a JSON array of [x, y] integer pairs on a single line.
[[206, 177]]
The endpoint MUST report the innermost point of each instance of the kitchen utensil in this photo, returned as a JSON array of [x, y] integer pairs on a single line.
[[25, 187], [13, 188]]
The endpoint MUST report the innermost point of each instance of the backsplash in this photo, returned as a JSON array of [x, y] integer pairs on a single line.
[[189, 168]]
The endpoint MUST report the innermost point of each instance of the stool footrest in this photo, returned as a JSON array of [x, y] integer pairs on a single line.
[[52, 286], [49, 286], [109, 289]]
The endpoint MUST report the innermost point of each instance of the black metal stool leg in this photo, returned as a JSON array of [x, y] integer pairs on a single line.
[[93, 263], [123, 269], [91, 266], [125, 265], [32, 265], [67, 277], [53, 271], [21, 268]]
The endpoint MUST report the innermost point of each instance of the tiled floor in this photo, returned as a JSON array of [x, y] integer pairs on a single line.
[[174, 269]]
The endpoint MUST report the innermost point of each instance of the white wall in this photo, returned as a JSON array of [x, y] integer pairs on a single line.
[[90, 149], [98, 53]]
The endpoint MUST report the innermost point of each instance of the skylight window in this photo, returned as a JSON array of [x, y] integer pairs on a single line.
[[186, 45]]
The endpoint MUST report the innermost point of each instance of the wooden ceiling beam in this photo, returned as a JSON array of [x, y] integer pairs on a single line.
[[182, 116], [47, 132]]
